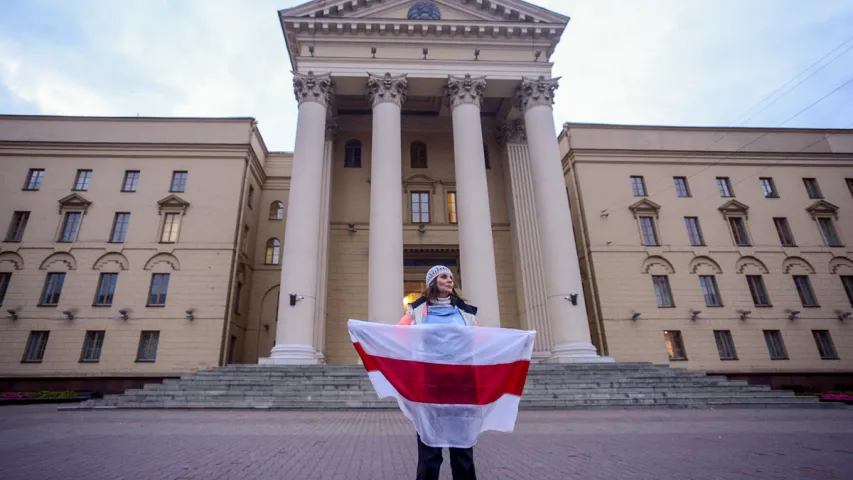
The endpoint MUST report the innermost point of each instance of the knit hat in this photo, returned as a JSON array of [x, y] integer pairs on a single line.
[[435, 271]]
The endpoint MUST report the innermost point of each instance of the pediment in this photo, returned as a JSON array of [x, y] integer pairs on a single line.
[[75, 201], [644, 206], [822, 208], [418, 181], [733, 207], [173, 203]]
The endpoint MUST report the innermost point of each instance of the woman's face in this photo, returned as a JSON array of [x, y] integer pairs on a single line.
[[444, 284]]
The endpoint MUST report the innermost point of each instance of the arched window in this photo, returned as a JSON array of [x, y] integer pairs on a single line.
[[486, 156], [418, 153], [352, 158], [276, 210], [273, 256]]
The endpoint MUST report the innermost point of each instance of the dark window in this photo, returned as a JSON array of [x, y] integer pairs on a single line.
[[106, 289], [5, 278], [451, 208], [775, 345], [758, 291], [847, 281], [849, 184], [92, 344], [647, 231], [674, 345], [250, 196], [638, 186], [804, 290], [237, 294], [725, 344], [829, 233], [710, 291], [36, 345], [276, 210], [825, 347], [662, 291], [34, 178], [131, 181], [812, 188], [273, 254], [738, 226], [159, 288], [81, 182], [70, 226], [52, 289], [120, 225], [681, 188], [694, 232], [486, 156], [786, 237], [768, 187], [725, 187], [418, 154], [147, 351], [179, 182], [17, 227], [352, 154], [420, 207]]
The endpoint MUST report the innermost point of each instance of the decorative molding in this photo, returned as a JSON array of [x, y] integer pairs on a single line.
[[331, 131], [74, 203], [308, 87], [172, 204], [417, 182], [645, 206], [111, 258], [657, 261], [534, 92], [11, 257], [163, 258], [733, 208], [464, 90], [745, 262], [791, 263], [841, 263], [62, 257], [702, 261], [822, 209], [511, 132], [387, 88]]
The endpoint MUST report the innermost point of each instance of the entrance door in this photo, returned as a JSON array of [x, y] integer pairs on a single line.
[[414, 275]]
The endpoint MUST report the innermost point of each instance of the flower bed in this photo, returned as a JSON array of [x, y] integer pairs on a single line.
[[44, 396], [845, 397]]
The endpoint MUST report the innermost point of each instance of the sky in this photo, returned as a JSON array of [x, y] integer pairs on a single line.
[[653, 62]]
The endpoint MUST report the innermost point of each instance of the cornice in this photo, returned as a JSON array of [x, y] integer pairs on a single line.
[[358, 67]]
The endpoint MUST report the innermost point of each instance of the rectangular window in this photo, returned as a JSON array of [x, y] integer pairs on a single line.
[[5, 278], [710, 291], [647, 231], [783, 229], [158, 290], [725, 187], [70, 226], [846, 280], [420, 207], [738, 226], [829, 233], [120, 224], [34, 178], [681, 188], [131, 181], [52, 289], [81, 182], [849, 185], [36, 344], [106, 289], [812, 188], [758, 291], [693, 231], [725, 344], [147, 351], [17, 227], [451, 207], [662, 291], [245, 246], [237, 294], [768, 187], [171, 222], [825, 347], [92, 344], [638, 186], [250, 196], [775, 345], [179, 182], [674, 345], [804, 290]]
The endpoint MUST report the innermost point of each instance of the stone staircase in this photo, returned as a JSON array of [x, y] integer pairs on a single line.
[[327, 387]]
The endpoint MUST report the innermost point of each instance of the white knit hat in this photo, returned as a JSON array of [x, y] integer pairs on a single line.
[[435, 271]]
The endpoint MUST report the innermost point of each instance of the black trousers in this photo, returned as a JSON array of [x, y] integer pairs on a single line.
[[429, 462]]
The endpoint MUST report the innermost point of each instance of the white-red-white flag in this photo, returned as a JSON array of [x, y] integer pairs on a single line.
[[452, 381]]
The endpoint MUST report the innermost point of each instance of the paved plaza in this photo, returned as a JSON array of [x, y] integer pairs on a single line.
[[40, 442]]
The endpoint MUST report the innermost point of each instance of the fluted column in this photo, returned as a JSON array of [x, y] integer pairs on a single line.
[[294, 337], [387, 94], [464, 96], [569, 327], [323, 260]]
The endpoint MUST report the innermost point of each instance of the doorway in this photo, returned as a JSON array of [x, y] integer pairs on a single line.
[[416, 264]]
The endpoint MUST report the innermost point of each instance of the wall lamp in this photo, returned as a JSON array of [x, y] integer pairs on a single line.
[[190, 314], [476, 54], [13, 313], [695, 314], [124, 313], [842, 315], [69, 314], [373, 51], [744, 314], [792, 314], [425, 52], [311, 50], [351, 228], [422, 228], [294, 297], [635, 316], [572, 297], [267, 327]]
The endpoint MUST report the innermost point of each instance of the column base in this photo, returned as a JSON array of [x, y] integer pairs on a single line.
[[579, 352], [292, 355], [540, 357]]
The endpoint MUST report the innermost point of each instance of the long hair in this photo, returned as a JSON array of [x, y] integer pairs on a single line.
[[431, 294]]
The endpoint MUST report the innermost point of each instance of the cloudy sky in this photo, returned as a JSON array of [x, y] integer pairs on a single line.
[[671, 62]]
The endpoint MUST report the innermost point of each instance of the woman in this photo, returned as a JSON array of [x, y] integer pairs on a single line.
[[440, 304]]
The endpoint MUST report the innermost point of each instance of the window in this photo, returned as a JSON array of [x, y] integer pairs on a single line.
[[829, 233], [418, 154], [158, 290], [738, 226], [681, 188], [824, 345], [786, 237], [674, 345], [106, 289], [486, 156], [70, 226], [775, 345], [420, 207], [647, 231], [5, 278], [92, 344], [17, 227], [758, 291], [36, 344], [451, 208], [237, 294], [846, 280], [710, 291], [662, 291], [245, 246], [693, 231], [725, 344], [179, 182], [52, 289], [725, 187], [273, 255], [849, 184], [147, 351], [276, 210], [812, 188], [171, 223], [638, 186], [768, 187], [250, 196], [81, 182], [120, 224], [34, 178], [352, 154], [804, 290], [131, 180]]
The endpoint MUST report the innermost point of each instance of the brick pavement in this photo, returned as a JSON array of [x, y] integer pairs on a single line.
[[39, 442]]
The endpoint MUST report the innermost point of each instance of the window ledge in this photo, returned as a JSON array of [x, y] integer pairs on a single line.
[[831, 358], [139, 360], [102, 305], [764, 306], [729, 359], [89, 361], [677, 359], [155, 306], [11, 241], [30, 189], [30, 361], [811, 306], [772, 196], [774, 359], [715, 306], [666, 306], [48, 305]]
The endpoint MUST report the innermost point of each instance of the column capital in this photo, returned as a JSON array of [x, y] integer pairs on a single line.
[[511, 132], [331, 131], [308, 87], [387, 88], [535, 91], [464, 90]]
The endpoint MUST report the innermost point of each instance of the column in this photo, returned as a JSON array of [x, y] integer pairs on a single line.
[[569, 327], [294, 337], [323, 261], [477, 249], [386, 94]]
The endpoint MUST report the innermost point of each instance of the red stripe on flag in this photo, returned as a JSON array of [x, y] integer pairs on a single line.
[[448, 383]]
